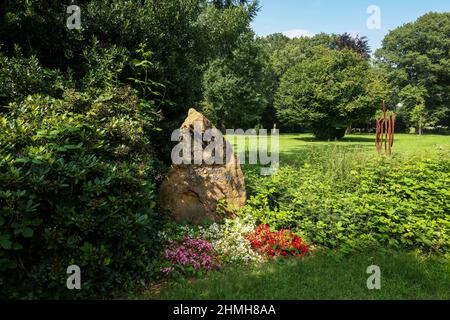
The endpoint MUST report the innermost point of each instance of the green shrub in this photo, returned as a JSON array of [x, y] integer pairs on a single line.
[[389, 202], [21, 76], [77, 186]]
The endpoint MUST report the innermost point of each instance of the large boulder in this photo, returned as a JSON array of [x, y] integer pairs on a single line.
[[190, 192]]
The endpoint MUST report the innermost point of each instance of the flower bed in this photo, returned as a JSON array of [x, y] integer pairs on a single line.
[[230, 241], [190, 257], [194, 250], [277, 243]]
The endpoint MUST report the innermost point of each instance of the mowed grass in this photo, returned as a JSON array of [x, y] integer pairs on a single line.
[[404, 144], [404, 276], [297, 148]]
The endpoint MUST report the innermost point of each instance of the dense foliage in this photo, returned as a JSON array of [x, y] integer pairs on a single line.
[[342, 205], [22, 76], [77, 187], [237, 88], [182, 34], [328, 91], [416, 56]]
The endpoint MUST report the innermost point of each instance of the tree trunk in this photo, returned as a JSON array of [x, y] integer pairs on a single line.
[[349, 129]]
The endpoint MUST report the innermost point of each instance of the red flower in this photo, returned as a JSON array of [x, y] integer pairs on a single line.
[[282, 242]]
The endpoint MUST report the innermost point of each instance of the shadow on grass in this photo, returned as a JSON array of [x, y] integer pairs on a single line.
[[403, 276], [355, 138], [352, 138]]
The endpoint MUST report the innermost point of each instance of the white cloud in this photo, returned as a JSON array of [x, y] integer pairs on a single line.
[[298, 33]]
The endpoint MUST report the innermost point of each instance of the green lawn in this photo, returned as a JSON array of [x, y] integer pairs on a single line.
[[406, 144], [299, 146], [404, 275], [296, 149]]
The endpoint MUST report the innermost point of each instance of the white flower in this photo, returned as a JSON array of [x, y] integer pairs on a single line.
[[229, 239]]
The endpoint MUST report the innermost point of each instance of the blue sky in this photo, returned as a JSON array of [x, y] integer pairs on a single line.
[[296, 17]]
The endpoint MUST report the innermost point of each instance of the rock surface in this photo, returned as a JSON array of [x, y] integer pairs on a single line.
[[190, 192]]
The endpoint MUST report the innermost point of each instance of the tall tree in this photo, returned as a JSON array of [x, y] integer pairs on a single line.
[[328, 91], [298, 49], [357, 44], [417, 55], [273, 42], [237, 88], [413, 107]]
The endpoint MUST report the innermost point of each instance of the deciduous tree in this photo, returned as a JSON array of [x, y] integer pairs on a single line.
[[328, 91]]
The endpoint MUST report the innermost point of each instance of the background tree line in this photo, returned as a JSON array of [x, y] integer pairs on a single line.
[[235, 77], [328, 83]]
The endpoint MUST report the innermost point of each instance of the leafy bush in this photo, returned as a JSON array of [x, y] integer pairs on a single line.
[[393, 202], [77, 187], [21, 76]]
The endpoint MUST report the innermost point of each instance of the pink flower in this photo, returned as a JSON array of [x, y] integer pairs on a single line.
[[195, 253]]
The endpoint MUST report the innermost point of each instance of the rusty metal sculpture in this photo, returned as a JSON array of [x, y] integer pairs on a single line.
[[385, 132]]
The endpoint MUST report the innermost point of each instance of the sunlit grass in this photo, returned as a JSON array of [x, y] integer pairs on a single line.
[[403, 276], [296, 148]]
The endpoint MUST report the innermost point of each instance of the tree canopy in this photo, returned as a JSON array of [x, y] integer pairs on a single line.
[[328, 91], [182, 35], [237, 88], [416, 57]]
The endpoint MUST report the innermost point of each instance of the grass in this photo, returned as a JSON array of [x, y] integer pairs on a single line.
[[404, 276], [294, 145], [295, 148]]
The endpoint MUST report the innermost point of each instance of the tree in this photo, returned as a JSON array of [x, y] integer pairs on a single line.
[[413, 101], [417, 54], [420, 116], [294, 50], [273, 42], [328, 91], [182, 34], [237, 88], [229, 3], [357, 44]]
